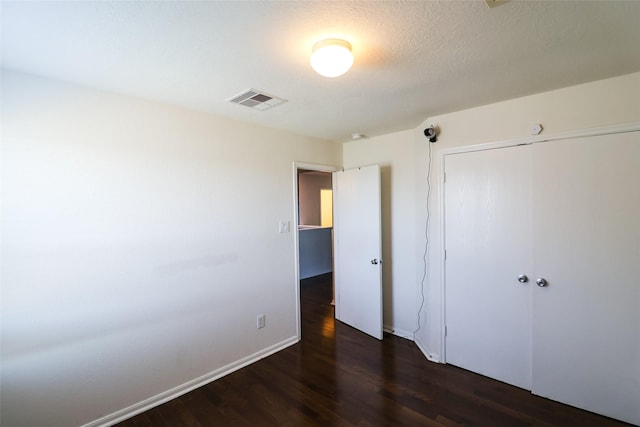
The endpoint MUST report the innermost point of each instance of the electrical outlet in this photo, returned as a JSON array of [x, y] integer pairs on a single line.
[[260, 321]]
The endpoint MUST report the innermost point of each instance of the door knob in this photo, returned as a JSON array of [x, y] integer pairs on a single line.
[[541, 282], [523, 278], [374, 261]]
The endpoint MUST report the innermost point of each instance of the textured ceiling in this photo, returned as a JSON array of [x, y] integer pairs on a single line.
[[412, 59]]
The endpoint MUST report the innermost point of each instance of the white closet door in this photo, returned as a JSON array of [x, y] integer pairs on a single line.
[[488, 245], [586, 322]]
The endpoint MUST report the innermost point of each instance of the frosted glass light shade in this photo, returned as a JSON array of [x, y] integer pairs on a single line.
[[331, 57]]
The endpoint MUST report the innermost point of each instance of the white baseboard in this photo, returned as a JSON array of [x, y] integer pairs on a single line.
[[398, 332], [170, 394], [431, 356]]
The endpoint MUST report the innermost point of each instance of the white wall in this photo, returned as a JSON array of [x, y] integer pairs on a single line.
[[396, 155], [139, 242], [133, 260], [403, 157], [602, 103]]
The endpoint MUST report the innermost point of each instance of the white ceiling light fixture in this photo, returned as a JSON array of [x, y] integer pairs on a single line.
[[331, 57]]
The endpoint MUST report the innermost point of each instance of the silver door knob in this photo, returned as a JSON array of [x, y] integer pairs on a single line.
[[523, 278], [541, 282], [374, 261]]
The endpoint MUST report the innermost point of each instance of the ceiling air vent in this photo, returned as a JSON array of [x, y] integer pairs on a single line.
[[257, 100]]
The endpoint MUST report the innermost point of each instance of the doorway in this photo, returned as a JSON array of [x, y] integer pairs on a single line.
[[313, 227], [356, 243], [315, 223]]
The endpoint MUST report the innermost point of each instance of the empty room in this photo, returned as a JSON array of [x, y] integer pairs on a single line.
[[320, 213]]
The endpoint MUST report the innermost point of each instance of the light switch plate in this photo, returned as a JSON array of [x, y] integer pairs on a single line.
[[261, 320], [283, 227]]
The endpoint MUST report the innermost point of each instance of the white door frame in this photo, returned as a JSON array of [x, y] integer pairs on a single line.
[[604, 130], [296, 237]]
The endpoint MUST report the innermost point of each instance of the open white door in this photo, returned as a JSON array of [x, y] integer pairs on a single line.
[[358, 249]]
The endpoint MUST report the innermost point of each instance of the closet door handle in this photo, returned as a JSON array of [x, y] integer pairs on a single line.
[[542, 282], [523, 278]]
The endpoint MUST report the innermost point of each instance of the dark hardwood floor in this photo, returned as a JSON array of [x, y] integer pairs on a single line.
[[337, 376]]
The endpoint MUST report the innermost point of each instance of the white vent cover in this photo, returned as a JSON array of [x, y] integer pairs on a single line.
[[257, 100]]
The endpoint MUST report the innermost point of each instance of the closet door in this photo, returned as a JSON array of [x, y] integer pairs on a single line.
[[586, 321], [488, 245]]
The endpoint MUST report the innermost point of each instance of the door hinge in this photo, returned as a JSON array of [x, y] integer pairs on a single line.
[[444, 177], [445, 331], [445, 254]]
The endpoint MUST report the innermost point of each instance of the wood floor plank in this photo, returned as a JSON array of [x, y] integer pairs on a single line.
[[338, 376]]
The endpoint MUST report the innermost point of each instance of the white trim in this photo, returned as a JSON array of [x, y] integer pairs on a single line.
[[316, 167], [432, 357], [442, 358], [178, 391], [580, 133], [604, 130], [336, 248], [398, 332], [296, 236]]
